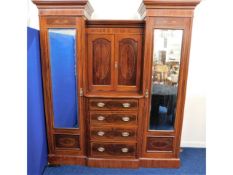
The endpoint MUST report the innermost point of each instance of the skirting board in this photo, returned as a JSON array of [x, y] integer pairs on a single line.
[[193, 144]]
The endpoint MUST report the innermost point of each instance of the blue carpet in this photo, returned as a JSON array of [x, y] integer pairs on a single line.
[[193, 162]]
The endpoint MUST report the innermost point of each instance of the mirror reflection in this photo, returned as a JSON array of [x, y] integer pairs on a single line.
[[62, 45], [165, 76]]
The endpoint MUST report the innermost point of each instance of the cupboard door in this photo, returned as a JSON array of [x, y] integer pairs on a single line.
[[100, 62], [128, 61]]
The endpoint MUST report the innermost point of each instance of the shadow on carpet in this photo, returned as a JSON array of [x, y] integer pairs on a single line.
[[193, 162]]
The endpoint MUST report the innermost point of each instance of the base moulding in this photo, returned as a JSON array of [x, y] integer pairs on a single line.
[[114, 163]]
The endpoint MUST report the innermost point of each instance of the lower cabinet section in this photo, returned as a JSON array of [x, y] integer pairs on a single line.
[[115, 150], [63, 141], [113, 139]]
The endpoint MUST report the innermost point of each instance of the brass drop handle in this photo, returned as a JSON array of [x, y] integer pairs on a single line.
[[100, 133], [100, 118], [125, 119], [100, 104], [126, 105], [125, 134], [124, 150], [101, 149]]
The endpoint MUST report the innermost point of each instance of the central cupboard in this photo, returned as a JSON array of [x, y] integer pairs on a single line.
[[114, 59]]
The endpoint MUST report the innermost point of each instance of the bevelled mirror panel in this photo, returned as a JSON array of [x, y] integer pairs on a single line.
[[165, 76], [62, 48]]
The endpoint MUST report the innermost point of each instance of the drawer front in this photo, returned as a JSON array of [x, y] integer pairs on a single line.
[[113, 104], [159, 144], [113, 134], [106, 118], [111, 149], [64, 141]]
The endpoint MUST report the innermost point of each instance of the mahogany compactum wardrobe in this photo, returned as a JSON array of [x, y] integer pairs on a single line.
[[114, 90]]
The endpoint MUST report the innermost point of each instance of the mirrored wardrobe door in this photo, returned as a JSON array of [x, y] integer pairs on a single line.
[[167, 48], [62, 49]]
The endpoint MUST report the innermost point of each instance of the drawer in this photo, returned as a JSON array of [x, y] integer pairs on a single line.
[[110, 118], [159, 144], [63, 141], [113, 104], [99, 149], [112, 134]]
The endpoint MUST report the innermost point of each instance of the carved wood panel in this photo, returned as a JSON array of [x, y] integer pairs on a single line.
[[61, 21], [66, 141], [101, 61], [127, 61], [159, 143], [128, 58]]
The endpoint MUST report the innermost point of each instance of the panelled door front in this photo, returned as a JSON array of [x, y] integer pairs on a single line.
[[127, 62], [62, 81], [100, 62]]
